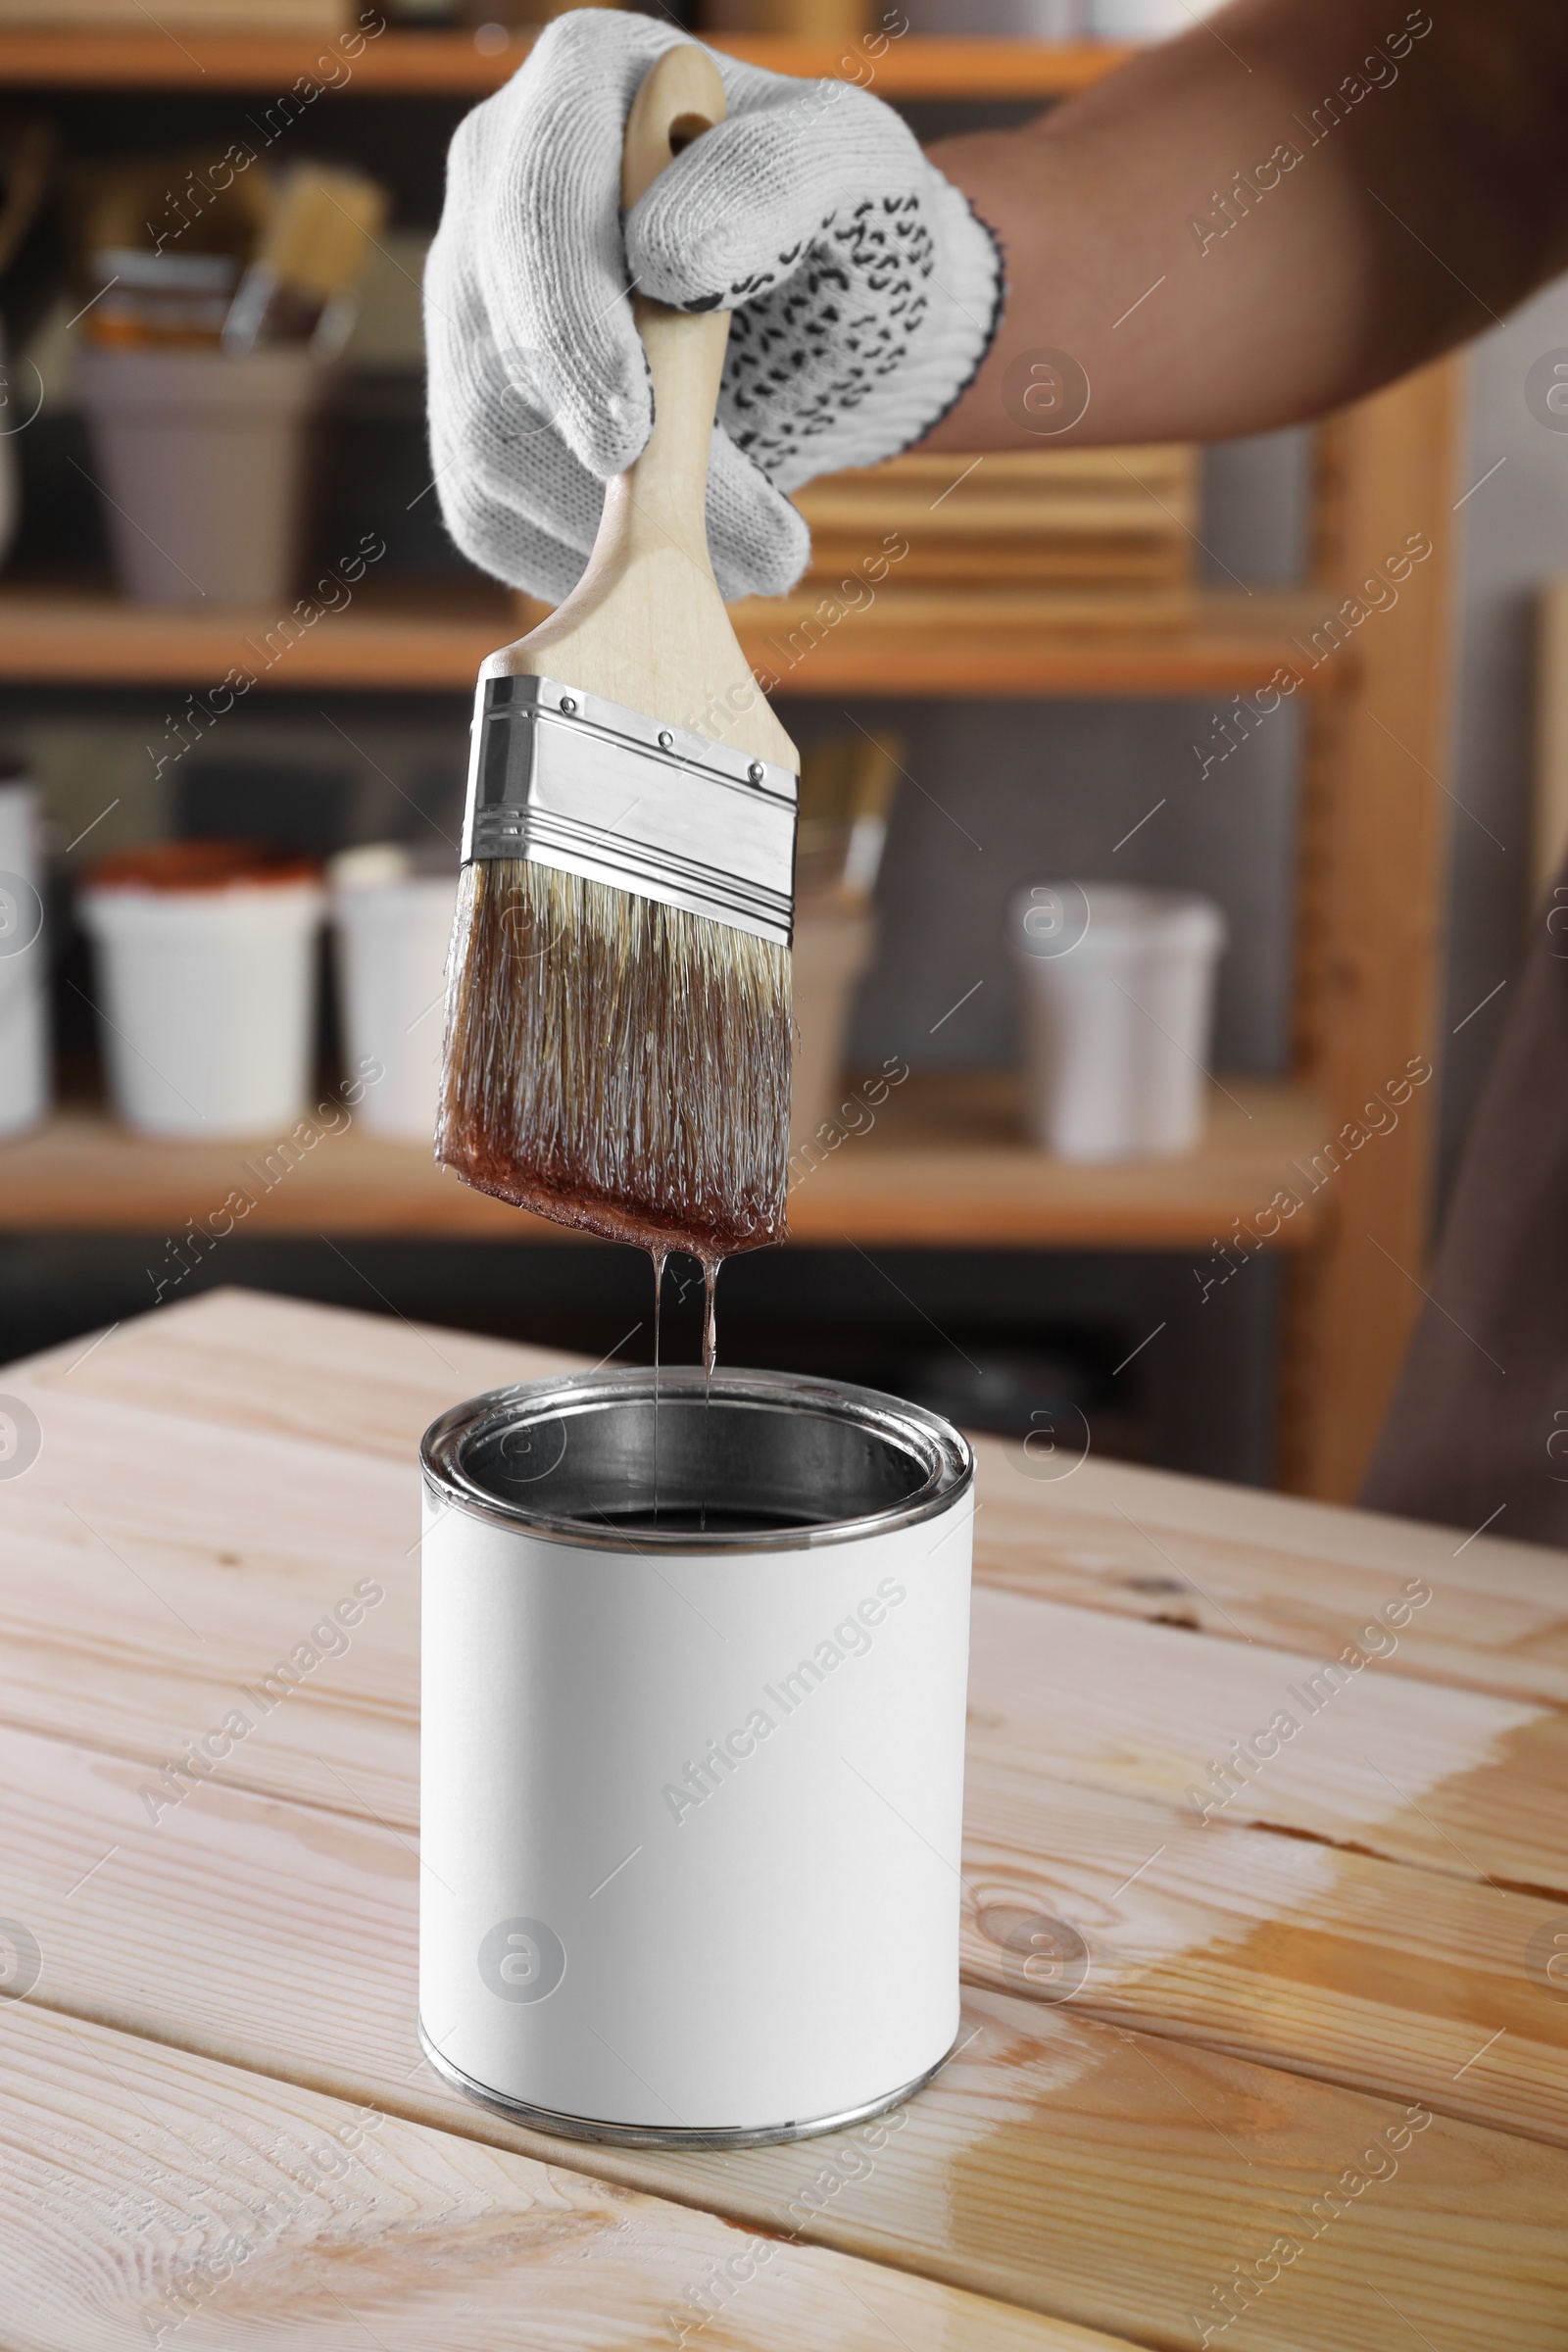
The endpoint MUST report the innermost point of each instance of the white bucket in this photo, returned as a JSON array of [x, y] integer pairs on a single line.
[[24, 963], [1029, 20], [202, 461], [1116, 990], [692, 1794], [208, 998], [393, 928], [1144, 19]]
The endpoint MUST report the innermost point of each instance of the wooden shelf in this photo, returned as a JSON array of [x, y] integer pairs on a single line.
[[438, 65], [433, 638], [945, 1164], [1234, 642]]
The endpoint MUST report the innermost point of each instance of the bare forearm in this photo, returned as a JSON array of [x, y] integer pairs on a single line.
[[1274, 214]]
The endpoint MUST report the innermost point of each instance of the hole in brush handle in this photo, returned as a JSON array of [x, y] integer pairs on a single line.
[[679, 97], [685, 130]]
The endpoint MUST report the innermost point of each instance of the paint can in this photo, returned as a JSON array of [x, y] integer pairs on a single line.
[[692, 1775]]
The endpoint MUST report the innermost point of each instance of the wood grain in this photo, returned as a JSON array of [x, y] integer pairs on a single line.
[[1454, 1781], [1376, 814], [1325, 1962], [258, 1925], [1234, 1562], [210, 1481], [1057, 2163], [1011, 493], [154, 2196], [285, 1367], [136, 1582], [1240, 1566]]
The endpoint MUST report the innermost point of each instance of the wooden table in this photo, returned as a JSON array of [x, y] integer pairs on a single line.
[[1309, 2091]]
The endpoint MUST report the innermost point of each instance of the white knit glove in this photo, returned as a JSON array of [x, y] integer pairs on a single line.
[[864, 290]]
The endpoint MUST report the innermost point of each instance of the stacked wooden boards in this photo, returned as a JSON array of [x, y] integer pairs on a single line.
[[1049, 539], [1327, 2019]]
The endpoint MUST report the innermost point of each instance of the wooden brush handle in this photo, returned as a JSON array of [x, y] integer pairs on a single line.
[[665, 489], [645, 624]]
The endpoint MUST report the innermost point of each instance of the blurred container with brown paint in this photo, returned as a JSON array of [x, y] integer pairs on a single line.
[[205, 954]]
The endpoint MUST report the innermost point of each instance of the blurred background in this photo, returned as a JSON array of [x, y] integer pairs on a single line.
[[1162, 808]]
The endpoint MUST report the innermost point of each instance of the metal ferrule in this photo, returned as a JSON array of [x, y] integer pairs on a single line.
[[570, 780]]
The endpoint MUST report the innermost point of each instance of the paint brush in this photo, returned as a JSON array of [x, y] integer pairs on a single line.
[[618, 1040]]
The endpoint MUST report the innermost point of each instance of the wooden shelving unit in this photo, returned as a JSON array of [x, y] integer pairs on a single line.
[[434, 638], [434, 65], [945, 1164]]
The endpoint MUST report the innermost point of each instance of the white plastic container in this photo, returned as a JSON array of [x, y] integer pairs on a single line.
[[201, 459], [691, 1797], [1026, 19], [1116, 992], [207, 986], [1144, 19], [393, 927], [23, 961]]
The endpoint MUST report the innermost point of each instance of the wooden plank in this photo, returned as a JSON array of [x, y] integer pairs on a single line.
[[187, 1561], [1328, 1963], [911, 607], [308, 1520], [1011, 493], [941, 1138], [82, 1172], [944, 1160], [1376, 813], [136, 1523], [238, 1925], [812, 643], [1240, 1565], [452, 63], [1102, 560], [432, 637], [1230, 1561], [430, 640], [1058, 2163], [1454, 1781], [1109, 2169], [249, 1360], [1090, 519], [154, 2194], [422, 65]]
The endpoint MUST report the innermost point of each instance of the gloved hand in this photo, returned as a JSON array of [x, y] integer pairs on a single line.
[[864, 291]]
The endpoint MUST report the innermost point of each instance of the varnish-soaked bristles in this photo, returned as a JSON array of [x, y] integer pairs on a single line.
[[614, 1063]]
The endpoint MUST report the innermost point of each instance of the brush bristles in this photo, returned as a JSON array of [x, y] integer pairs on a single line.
[[614, 1063]]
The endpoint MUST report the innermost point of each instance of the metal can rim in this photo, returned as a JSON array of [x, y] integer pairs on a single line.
[[946, 1452]]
